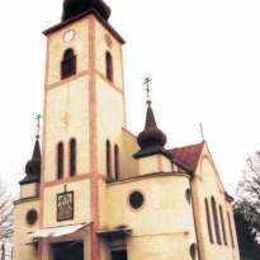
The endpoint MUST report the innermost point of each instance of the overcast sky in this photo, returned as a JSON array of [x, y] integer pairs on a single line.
[[204, 58]]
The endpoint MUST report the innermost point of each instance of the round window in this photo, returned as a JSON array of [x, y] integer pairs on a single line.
[[31, 217], [136, 199]]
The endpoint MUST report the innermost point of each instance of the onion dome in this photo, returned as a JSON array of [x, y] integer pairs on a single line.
[[33, 167], [151, 140], [73, 8]]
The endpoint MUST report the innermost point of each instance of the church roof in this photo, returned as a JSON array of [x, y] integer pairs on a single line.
[[33, 167], [151, 140], [73, 8], [73, 19], [187, 156]]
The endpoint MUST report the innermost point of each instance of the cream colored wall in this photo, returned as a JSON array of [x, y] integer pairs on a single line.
[[81, 203], [110, 120], [57, 46], [163, 228], [130, 146], [67, 116], [109, 97], [114, 49], [236, 253], [29, 190], [153, 164], [206, 184], [22, 230]]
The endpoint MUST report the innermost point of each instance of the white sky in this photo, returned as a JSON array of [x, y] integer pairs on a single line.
[[204, 57]]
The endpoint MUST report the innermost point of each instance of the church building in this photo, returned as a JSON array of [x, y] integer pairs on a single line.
[[95, 191]]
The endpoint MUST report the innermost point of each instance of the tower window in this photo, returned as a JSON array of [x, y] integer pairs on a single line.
[[68, 64], [60, 161], [73, 157], [108, 158], [117, 165], [216, 220], [230, 230], [223, 225], [209, 221], [109, 66]]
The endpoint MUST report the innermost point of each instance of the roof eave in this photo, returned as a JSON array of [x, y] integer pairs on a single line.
[[81, 16]]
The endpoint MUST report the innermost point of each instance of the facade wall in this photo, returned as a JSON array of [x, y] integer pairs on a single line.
[[57, 46], [110, 120], [163, 228], [81, 203], [29, 190], [110, 110], [22, 230], [66, 117], [154, 163], [206, 184], [130, 146], [105, 41]]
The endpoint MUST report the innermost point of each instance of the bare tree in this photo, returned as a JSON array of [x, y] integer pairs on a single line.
[[6, 221], [249, 190]]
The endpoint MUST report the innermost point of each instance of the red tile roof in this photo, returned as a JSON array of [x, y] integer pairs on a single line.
[[187, 156]]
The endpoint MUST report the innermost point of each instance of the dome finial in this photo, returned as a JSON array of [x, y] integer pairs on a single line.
[[74, 8], [38, 125], [148, 89], [151, 140], [33, 166]]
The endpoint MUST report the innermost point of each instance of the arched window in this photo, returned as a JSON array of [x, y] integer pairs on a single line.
[[117, 165], [109, 66], [73, 157], [108, 159], [209, 221], [223, 225], [68, 64], [60, 160], [230, 230], [216, 220]]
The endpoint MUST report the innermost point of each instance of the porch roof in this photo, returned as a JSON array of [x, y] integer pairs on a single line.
[[56, 232]]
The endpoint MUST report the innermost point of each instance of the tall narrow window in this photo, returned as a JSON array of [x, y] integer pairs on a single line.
[[223, 225], [68, 64], [230, 230], [108, 159], [60, 161], [73, 157], [216, 220], [209, 221], [117, 165], [109, 66]]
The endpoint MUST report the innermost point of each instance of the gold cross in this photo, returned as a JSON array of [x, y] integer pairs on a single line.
[[148, 88]]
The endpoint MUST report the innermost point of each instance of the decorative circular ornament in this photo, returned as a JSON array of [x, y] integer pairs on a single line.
[[136, 200], [32, 216], [69, 36]]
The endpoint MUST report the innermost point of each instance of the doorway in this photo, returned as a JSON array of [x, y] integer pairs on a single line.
[[119, 255], [72, 250]]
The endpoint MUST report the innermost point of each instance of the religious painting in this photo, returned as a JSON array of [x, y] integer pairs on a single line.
[[65, 206]]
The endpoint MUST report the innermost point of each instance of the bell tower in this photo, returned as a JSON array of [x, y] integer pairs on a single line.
[[84, 107]]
